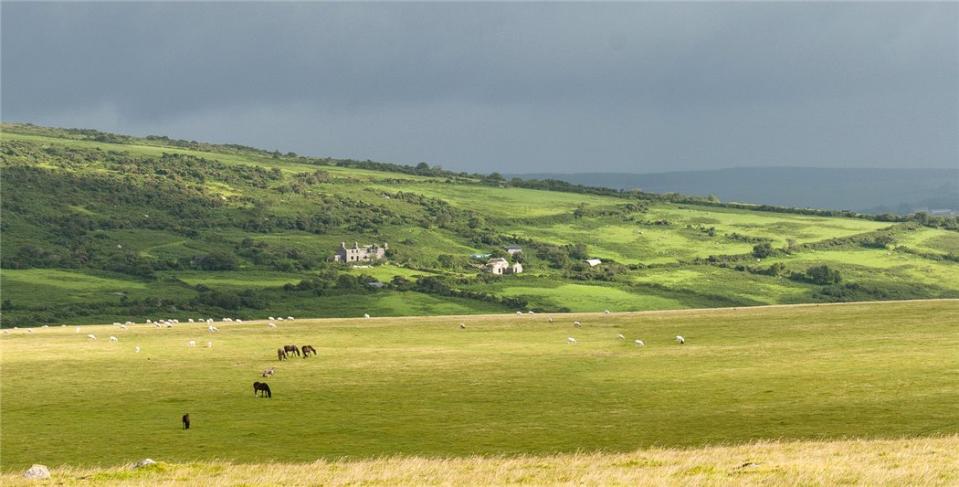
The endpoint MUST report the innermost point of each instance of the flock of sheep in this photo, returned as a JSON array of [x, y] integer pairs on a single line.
[[169, 323], [271, 322]]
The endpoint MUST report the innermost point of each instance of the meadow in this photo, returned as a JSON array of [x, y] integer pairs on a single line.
[[505, 385]]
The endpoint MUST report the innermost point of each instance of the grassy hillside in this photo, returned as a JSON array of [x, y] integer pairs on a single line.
[[102, 227], [503, 385], [919, 461]]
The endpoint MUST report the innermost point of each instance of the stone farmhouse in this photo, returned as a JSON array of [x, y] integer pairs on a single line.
[[500, 266], [367, 253]]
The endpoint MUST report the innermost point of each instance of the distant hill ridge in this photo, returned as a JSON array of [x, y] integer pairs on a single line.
[[901, 191]]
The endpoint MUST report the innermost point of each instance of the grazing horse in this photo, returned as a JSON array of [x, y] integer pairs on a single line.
[[281, 354], [291, 349], [307, 350], [263, 388], [186, 421]]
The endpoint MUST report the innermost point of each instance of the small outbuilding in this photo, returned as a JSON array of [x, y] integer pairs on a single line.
[[593, 262]]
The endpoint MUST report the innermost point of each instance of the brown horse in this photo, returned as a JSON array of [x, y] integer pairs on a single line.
[[263, 388], [307, 350], [291, 349], [281, 354]]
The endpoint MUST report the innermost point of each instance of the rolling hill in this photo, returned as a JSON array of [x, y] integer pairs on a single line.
[[101, 227]]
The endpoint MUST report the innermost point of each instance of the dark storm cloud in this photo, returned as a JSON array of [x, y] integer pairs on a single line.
[[508, 87]]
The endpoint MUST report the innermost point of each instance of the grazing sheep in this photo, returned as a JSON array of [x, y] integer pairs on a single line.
[[640, 343], [272, 318], [366, 315], [239, 320], [124, 327], [227, 319], [209, 320], [212, 329], [577, 324], [190, 320], [531, 312], [289, 318], [680, 339], [137, 349], [462, 326], [128, 323], [209, 344], [519, 312], [92, 336], [620, 336], [156, 325], [149, 321], [271, 325], [279, 318], [606, 312], [191, 343], [114, 339], [570, 340], [550, 319], [78, 329], [116, 323]]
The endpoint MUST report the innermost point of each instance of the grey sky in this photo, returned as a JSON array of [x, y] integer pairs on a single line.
[[505, 87]]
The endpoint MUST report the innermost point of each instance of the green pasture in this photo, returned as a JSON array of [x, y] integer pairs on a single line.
[[44, 287], [505, 384]]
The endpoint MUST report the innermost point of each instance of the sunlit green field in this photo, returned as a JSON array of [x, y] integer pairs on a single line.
[[505, 384]]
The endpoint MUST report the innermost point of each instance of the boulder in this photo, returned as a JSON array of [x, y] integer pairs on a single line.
[[146, 462], [37, 472]]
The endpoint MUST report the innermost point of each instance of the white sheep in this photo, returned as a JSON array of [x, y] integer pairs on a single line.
[[137, 349], [366, 315], [577, 324], [191, 343], [78, 329], [114, 339], [606, 312], [209, 344], [680, 339], [570, 340], [271, 325], [149, 321], [128, 323], [640, 343], [116, 323], [621, 336], [549, 318], [289, 318], [92, 336], [123, 327], [190, 320], [462, 326], [272, 318], [212, 329], [227, 319], [239, 320], [519, 312]]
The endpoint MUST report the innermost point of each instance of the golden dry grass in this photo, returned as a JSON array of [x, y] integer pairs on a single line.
[[914, 462]]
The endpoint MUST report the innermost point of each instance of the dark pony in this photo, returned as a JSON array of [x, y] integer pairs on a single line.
[[263, 388], [307, 350], [291, 349], [186, 421], [281, 354]]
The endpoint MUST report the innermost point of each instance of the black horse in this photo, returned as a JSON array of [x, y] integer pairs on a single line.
[[263, 389], [186, 421], [291, 349], [307, 350], [281, 354]]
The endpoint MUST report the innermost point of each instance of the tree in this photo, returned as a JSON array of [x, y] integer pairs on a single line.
[[823, 275], [762, 250]]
